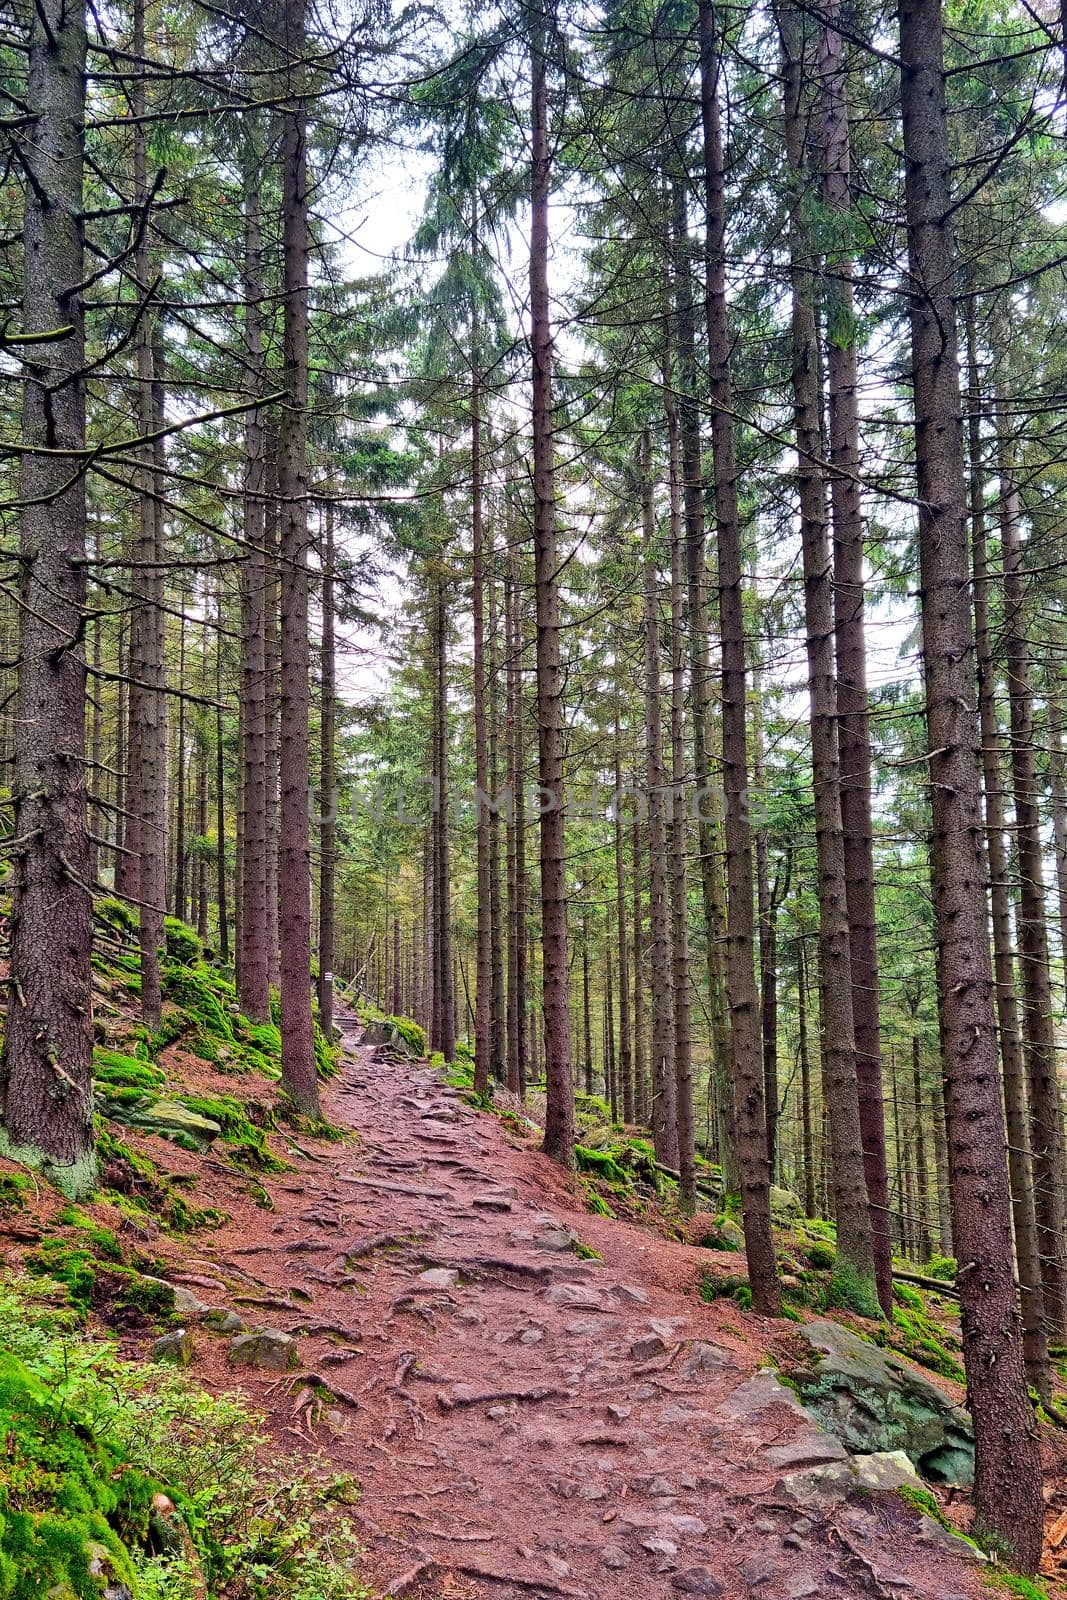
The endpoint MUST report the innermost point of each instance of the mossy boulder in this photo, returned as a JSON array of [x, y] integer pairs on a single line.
[[873, 1402], [785, 1205], [166, 1118]]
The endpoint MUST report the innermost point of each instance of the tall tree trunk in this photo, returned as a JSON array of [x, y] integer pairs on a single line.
[[147, 653], [181, 847], [444, 977], [587, 1023], [253, 965], [803, 1049], [1008, 1500], [1058, 797], [846, 505], [641, 1108], [663, 1108], [748, 1118], [708, 844], [220, 790], [328, 774], [1046, 1105], [626, 1062], [1016, 1100], [299, 1080], [559, 1111], [498, 1030], [516, 821], [683, 1038], [483, 983], [272, 679], [922, 1197], [45, 1074], [854, 1271]]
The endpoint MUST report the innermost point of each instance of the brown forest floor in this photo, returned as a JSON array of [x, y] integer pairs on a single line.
[[513, 1434]]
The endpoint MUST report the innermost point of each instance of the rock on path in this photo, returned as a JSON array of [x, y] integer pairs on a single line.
[[527, 1423]]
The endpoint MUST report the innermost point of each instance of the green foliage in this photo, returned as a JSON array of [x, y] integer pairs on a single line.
[[914, 1333], [1015, 1583], [127, 1072], [103, 1240], [183, 944], [943, 1267], [246, 1139], [821, 1255], [91, 1438], [116, 915], [732, 1287], [14, 1189]]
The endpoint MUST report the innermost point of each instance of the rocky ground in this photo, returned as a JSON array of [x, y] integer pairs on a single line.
[[526, 1418]]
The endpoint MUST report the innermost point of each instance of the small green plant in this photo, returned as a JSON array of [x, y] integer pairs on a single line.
[[91, 1439], [943, 1267], [851, 1291], [821, 1255], [731, 1287]]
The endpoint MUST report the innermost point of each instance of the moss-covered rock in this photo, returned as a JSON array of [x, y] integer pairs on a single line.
[[872, 1401], [169, 1119]]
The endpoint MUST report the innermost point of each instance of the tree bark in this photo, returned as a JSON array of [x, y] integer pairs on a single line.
[[683, 1031], [1046, 1105], [328, 775], [46, 1097], [663, 1108], [846, 505], [749, 1118], [626, 1063], [1008, 1499], [483, 970], [559, 1111], [299, 1080], [854, 1273], [1016, 1100]]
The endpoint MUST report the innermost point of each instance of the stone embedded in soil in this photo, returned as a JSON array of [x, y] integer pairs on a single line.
[[175, 1348], [575, 1296], [656, 1545], [439, 1278], [629, 1294], [618, 1413], [614, 1557], [756, 1394], [812, 1452], [268, 1348], [696, 1580], [704, 1357], [491, 1202], [220, 1320], [759, 1569], [647, 1346]]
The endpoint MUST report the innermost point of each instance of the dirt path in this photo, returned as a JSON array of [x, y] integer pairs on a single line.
[[523, 1421]]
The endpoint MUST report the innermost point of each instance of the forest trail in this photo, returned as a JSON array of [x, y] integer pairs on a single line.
[[523, 1421]]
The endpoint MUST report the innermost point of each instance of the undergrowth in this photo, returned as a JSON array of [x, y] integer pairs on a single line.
[[92, 1440]]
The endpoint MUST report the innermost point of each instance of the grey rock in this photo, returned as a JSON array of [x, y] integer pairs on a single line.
[[175, 1348], [491, 1202], [800, 1587], [874, 1402], [825, 1486], [657, 1545], [618, 1413], [785, 1205], [629, 1293], [575, 1296], [757, 1394], [614, 1557], [439, 1278], [759, 1568], [704, 1357], [220, 1320], [696, 1580], [166, 1118], [672, 1415], [267, 1348], [647, 1347], [813, 1451], [732, 1233], [592, 1491]]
